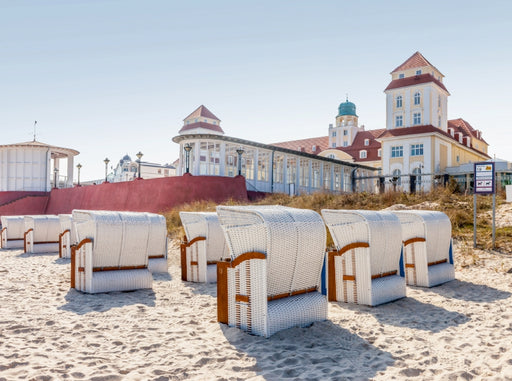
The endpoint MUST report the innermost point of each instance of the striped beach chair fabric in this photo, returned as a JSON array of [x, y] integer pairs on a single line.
[[13, 229], [272, 280], [427, 257], [365, 268], [112, 251], [203, 246], [41, 234]]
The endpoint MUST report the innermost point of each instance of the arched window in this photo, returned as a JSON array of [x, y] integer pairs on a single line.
[[399, 101], [417, 98], [417, 173], [396, 179]]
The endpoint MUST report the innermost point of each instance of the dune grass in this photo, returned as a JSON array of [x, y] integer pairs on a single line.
[[458, 207]]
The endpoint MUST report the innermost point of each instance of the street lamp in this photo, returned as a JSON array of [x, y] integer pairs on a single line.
[[240, 151], [55, 172], [79, 166], [106, 161], [187, 149], [139, 156]]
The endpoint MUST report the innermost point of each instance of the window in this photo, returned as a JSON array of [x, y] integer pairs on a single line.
[[418, 72], [362, 154], [439, 121], [396, 179], [439, 101], [345, 132], [397, 151], [331, 156], [214, 122], [313, 148], [159, 171], [399, 121], [345, 144], [400, 76], [417, 98], [399, 101], [416, 118], [379, 152], [333, 145], [206, 120], [416, 149], [195, 120], [366, 142], [166, 172], [334, 133]]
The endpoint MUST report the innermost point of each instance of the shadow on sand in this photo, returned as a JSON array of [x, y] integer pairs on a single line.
[[470, 292], [411, 313], [81, 303], [300, 353]]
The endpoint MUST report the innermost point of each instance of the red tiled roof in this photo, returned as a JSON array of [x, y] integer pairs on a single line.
[[321, 143], [358, 144], [202, 111], [403, 131], [208, 126], [416, 80], [460, 125], [414, 61]]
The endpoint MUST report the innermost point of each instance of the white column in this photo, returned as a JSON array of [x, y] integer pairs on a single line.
[[69, 182], [222, 159], [195, 166]]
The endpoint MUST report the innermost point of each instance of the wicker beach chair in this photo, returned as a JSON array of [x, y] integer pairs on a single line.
[[365, 268], [112, 253], [427, 247], [13, 229], [41, 234], [203, 246], [157, 243], [272, 281], [67, 236]]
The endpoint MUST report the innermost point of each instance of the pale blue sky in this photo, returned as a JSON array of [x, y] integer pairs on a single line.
[[110, 77]]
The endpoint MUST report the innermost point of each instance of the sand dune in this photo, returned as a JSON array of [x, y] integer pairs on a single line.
[[460, 330]]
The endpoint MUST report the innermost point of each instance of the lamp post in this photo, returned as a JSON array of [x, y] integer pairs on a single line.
[[55, 172], [106, 161], [240, 151], [187, 149], [139, 156], [79, 166]]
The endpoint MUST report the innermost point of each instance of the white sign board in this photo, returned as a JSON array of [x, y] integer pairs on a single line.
[[484, 178]]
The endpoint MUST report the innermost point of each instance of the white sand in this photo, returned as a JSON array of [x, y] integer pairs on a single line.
[[460, 330]]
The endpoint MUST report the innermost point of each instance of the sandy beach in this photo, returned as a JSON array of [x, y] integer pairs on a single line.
[[457, 331]]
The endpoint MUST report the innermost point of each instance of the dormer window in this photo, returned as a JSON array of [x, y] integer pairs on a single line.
[[206, 120], [399, 101], [195, 120], [362, 154], [418, 72], [379, 152], [417, 98], [214, 122], [366, 142], [313, 148], [400, 76]]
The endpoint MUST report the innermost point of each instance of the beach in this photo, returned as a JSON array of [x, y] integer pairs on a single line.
[[457, 331]]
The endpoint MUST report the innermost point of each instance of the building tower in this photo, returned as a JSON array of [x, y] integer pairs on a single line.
[[346, 129], [416, 95]]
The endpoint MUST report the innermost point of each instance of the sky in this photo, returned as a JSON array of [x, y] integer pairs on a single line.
[[115, 77]]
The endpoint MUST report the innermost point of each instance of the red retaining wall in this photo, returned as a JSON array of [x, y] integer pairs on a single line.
[[155, 195], [7, 197], [26, 205]]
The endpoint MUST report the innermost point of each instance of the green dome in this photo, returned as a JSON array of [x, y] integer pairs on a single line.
[[347, 108]]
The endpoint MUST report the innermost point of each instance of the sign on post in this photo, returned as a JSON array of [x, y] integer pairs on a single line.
[[484, 178], [484, 182]]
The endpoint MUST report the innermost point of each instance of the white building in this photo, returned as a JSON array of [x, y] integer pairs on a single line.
[[127, 170], [28, 167], [205, 150]]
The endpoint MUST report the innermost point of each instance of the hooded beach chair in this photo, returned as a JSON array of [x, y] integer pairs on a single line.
[[365, 268], [157, 243], [203, 246], [427, 247], [67, 236], [41, 234], [13, 229], [273, 279], [112, 251]]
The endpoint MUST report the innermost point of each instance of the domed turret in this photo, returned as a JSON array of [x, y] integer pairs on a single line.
[[347, 108]]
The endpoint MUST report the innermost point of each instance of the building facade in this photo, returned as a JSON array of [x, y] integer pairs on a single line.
[[128, 170], [205, 150]]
